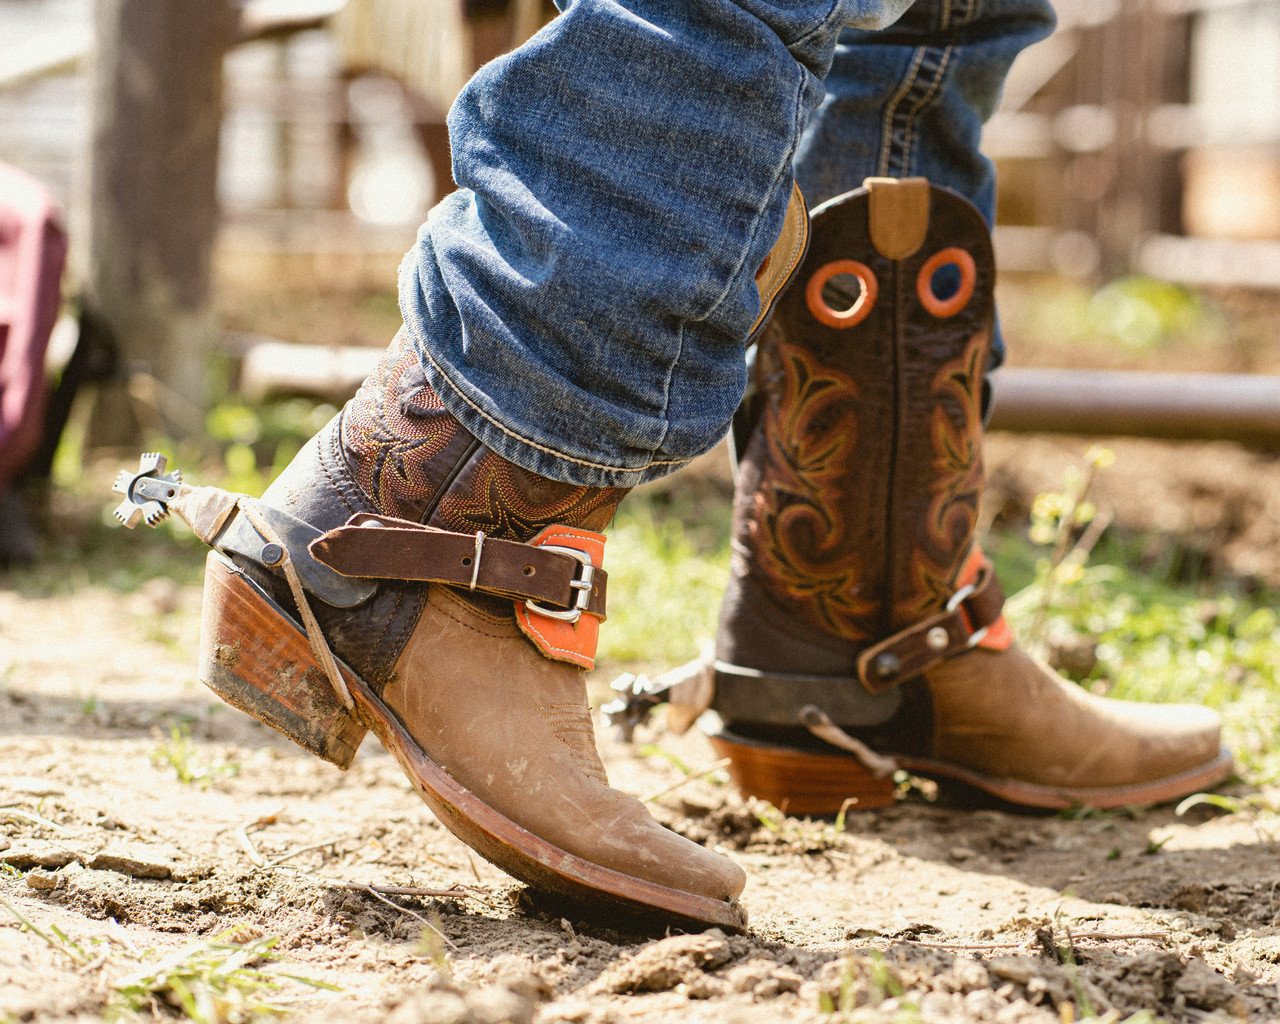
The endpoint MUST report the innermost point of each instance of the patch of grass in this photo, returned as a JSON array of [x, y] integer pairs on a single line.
[[653, 750], [870, 990], [668, 565], [55, 937], [212, 982], [189, 763]]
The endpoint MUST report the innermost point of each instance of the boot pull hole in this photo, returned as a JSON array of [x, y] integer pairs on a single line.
[[945, 283], [466, 559], [842, 293]]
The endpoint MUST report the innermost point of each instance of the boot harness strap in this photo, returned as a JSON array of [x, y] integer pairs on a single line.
[[555, 581], [962, 624]]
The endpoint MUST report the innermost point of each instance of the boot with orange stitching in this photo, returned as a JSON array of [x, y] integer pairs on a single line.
[[400, 576], [862, 628]]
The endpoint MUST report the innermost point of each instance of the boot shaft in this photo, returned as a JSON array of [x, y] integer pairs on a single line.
[[859, 486]]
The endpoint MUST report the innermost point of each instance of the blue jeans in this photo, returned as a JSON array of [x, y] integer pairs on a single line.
[[581, 302]]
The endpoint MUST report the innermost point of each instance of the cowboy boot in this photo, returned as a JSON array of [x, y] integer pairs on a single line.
[[861, 631], [401, 577]]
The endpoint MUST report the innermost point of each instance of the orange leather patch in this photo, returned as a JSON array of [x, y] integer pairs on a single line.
[[999, 635], [574, 642]]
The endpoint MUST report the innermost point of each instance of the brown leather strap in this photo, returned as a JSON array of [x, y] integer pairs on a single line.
[[911, 651], [380, 547]]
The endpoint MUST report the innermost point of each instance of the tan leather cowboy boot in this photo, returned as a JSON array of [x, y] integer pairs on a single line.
[[401, 577], [862, 631]]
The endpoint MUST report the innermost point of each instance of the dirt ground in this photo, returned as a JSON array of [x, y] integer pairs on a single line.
[[112, 866]]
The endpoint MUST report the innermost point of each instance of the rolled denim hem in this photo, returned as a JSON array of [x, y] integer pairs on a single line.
[[545, 459]]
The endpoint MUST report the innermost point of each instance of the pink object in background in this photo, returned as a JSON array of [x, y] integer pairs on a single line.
[[33, 250]]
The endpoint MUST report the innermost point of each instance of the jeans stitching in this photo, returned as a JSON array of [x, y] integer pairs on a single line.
[[890, 111], [928, 67], [935, 87]]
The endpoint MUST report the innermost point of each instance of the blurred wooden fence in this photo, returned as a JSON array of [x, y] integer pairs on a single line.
[[1145, 135]]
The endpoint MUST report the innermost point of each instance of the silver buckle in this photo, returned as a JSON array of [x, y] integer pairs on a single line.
[[475, 560], [582, 585], [959, 596], [956, 599]]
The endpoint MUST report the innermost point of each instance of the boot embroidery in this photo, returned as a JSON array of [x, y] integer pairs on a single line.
[[388, 446], [957, 486], [508, 502], [571, 725], [811, 433]]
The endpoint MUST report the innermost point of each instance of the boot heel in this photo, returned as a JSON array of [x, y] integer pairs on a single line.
[[256, 658], [802, 782]]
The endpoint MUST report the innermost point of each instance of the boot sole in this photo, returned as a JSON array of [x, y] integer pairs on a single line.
[[256, 657], [804, 782]]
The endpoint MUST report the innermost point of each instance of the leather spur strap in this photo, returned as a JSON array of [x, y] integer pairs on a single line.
[[965, 621], [380, 547]]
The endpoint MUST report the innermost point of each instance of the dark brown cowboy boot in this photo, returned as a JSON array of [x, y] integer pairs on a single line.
[[400, 576], [861, 631]]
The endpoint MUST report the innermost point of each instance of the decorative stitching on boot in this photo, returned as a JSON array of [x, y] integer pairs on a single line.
[[798, 509], [343, 488], [957, 484], [508, 502], [394, 429], [575, 720]]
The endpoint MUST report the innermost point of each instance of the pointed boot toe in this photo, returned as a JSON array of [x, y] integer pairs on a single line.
[[514, 728], [1008, 724]]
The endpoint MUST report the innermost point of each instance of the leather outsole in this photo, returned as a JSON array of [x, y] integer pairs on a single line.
[[807, 782]]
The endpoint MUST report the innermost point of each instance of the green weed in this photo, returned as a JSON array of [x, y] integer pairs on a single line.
[[55, 937], [218, 981], [432, 946], [190, 765], [653, 750], [667, 572], [870, 985]]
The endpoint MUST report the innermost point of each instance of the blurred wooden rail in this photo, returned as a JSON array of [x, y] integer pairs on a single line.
[[1105, 403], [1177, 406]]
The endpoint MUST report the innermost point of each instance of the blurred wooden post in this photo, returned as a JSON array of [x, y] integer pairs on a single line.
[[157, 113]]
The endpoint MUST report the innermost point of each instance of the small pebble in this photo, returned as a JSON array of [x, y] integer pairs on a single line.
[[45, 881]]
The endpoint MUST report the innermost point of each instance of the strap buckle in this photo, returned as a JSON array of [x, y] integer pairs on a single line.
[[583, 584]]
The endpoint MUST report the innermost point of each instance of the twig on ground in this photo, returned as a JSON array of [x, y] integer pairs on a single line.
[[977, 946], [251, 851], [456, 891], [15, 812], [1118, 936], [1026, 943], [277, 861], [358, 887], [699, 773]]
